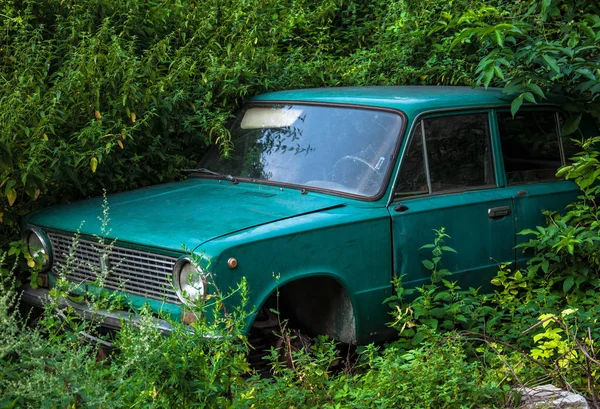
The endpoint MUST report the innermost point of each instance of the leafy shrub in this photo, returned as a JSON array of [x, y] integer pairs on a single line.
[[121, 94], [541, 322], [51, 363], [423, 377], [117, 95]]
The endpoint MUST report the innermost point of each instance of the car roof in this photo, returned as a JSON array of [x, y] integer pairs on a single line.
[[410, 99]]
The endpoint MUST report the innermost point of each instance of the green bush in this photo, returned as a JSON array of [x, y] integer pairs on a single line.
[[51, 362], [541, 321], [121, 94]]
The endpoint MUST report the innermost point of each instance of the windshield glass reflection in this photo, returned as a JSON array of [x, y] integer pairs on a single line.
[[337, 148]]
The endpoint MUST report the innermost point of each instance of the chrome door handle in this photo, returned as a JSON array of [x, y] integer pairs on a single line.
[[401, 208], [498, 212]]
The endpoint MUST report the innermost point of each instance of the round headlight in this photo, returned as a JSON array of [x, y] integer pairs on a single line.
[[188, 280], [38, 245]]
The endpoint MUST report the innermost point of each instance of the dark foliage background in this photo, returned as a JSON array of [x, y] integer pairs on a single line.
[[120, 94]]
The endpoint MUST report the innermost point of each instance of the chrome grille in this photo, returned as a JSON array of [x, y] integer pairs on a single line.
[[132, 271]]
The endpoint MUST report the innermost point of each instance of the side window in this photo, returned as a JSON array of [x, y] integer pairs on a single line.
[[413, 177], [459, 151], [530, 146], [459, 155]]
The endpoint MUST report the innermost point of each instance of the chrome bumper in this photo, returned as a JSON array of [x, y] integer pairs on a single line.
[[110, 319]]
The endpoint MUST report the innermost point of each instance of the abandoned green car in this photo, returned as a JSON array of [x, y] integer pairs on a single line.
[[333, 191]]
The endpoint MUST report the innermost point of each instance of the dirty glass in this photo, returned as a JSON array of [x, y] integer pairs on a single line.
[[413, 179], [459, 152], [530, 146], [344, 149]]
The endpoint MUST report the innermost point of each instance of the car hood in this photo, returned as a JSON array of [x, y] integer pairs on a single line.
[[187, 213]]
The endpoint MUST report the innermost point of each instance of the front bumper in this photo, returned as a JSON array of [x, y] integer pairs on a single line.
[[110, 319]]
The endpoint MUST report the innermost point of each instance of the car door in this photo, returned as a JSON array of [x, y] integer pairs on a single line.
[[448, 179], [532, 152]]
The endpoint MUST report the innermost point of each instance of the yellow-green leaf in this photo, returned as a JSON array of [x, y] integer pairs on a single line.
[[569, 311], [94, 164], [11, 195]]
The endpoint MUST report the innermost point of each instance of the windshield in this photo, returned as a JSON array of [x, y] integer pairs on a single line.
[[345, 149]]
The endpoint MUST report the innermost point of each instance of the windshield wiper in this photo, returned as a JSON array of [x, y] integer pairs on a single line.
[[210, 172]]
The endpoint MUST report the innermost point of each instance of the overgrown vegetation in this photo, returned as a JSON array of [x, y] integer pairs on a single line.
[[538, 326], [121, 94]]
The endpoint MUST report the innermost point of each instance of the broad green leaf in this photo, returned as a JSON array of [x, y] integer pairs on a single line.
[[544, 9], [551, 63], [418, 338], [571, 125], [569, 50], [9, 185], [588, 31], [430, 322], [461, 37], [499, 38], [563, 170], [516, 104], [529, 97], [511, 88], [499, 72], [586, 73], [536, 89], [444, 295], [528, 231], [568, 284], [447, 248], [545, 266], [428, 264], [488, 76]]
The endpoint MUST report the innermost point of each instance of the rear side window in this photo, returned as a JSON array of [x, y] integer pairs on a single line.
[[530, 146], [454, 155]]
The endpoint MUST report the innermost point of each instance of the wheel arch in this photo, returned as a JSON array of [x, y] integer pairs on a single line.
[[318, 303]]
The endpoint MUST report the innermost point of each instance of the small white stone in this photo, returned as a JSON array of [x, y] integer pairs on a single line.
[[549, 396]]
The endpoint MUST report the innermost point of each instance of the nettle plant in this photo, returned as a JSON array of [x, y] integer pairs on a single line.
[[441, 305], [197, 364]]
